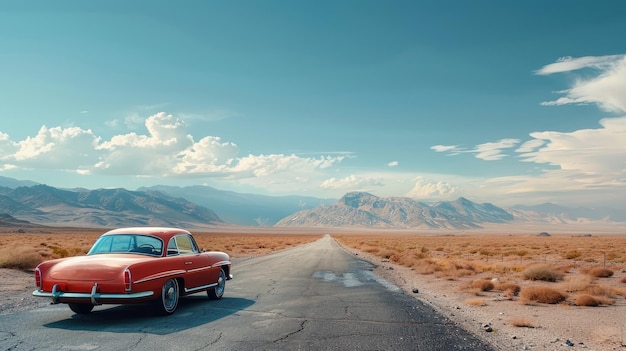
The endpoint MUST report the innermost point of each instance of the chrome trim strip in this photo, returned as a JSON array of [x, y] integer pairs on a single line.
[[68, 295], [200, 287], [221, 263], [160, 276]]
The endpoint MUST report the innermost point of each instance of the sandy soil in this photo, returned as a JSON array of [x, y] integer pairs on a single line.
[[591, 328], [16, 291], [554, 327]]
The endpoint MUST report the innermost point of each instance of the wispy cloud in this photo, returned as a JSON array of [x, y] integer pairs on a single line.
[[606, 88], [491, 151], [599, 151], [393, 164], [453, 149], [581, 166]]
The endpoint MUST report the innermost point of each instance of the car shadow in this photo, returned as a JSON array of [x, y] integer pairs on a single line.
[[192, 311]]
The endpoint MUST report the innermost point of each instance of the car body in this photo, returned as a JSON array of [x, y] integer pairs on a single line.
[[135, 265]]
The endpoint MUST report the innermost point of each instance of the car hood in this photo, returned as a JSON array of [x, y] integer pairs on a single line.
[[100, 267]]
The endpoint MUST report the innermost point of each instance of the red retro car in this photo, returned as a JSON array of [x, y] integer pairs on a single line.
[[135, 265]]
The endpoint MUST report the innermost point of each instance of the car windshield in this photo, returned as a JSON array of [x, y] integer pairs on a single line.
[[127, 243]]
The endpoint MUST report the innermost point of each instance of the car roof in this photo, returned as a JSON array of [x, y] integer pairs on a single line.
[[161, 232]]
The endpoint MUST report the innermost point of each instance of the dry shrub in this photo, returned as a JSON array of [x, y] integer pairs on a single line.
[[508, 288], [476, 302], [570, 255], [578, 282], [618, 291], [542, 294], [372, 250], [482, 285], [598, 272], [598, 290], [592, 301], [586, 300], [405, 260], [385, 253], [542, 272], [522, 323], [19, 258], [426, 266], [623, 280]]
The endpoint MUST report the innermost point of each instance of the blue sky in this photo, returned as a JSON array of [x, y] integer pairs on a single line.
[[503, 102]]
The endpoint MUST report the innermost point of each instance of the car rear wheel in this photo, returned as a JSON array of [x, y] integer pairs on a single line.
[[81, 308], [217, 292], [169, 297]]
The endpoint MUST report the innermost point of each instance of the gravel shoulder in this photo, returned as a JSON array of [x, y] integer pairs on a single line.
[[16, 291], [589, 328]]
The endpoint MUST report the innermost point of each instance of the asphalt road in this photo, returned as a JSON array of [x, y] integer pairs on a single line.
[[313, 297]]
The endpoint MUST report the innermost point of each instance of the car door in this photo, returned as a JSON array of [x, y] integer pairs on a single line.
[[197, 266]]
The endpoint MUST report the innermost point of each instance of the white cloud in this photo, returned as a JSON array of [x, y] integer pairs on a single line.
[[55, 148], [167, 150], [530, 145], [568, 63], [599, 151], [393, 164], [432, 189], [493, 151], [352, 183], [607, 88], [454, 149]]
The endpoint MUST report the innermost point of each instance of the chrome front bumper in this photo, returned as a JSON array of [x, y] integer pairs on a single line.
[[94, 296]]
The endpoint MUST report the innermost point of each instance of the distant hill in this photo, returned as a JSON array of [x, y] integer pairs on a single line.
[[549, 212], [14, 183], [10, 221], [364, 209], [243, 209], [46, 205]]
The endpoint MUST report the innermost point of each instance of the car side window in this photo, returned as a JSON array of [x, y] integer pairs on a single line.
[[185, 245], [172, 249]]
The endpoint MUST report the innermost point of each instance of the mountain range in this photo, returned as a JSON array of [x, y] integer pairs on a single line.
[[202, 206], [46, 205], [364, 209]]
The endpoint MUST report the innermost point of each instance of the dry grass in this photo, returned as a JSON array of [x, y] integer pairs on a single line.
[[598, 272], [543, 272], [578, 282], [476, 302], [25, 248], [23, 257], [483, 285], [514, 288], [575, 262], [521, 322], [542, 294], [586, 300]]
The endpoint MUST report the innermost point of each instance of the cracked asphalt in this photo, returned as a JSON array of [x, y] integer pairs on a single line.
[[312, 297]]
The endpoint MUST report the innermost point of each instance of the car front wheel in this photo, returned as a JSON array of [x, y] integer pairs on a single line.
[[169, 297], [81, 308], [217, 292]]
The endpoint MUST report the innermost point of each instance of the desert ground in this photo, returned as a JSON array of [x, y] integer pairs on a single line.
[[522, 289]]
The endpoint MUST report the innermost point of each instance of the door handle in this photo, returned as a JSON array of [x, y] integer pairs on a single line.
[[188, 262]]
